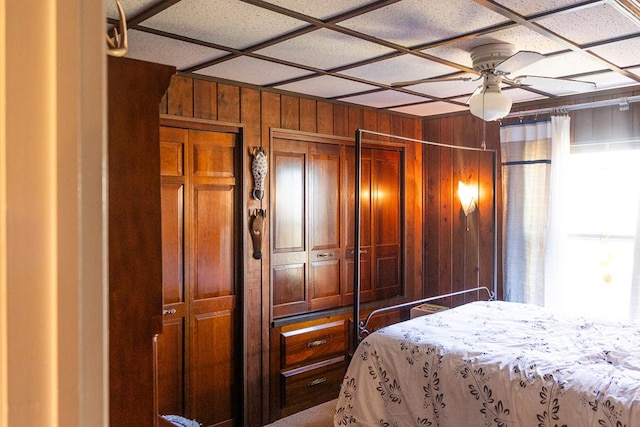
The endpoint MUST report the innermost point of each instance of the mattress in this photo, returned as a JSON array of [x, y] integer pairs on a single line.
[[495, 364]]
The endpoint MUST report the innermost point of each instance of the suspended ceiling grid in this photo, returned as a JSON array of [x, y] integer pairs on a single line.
[[354, 50]]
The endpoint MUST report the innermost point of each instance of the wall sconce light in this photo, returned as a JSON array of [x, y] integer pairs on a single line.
[[467, 198]]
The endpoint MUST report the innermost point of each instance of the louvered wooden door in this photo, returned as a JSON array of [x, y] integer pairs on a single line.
[[199, 350]]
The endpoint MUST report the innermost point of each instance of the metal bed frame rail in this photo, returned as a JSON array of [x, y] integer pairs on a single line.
[[360, 327], [363, 325]]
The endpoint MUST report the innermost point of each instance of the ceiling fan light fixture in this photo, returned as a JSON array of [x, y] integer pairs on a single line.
[[490, 103]]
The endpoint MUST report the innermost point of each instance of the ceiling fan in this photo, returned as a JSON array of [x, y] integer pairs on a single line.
[[494, 62]]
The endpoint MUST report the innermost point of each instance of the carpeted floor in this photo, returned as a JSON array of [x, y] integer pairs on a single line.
[[318, 416]]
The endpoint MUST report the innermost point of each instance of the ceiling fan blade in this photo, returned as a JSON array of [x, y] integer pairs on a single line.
[[555, 84], [432, 80], [517, 61]]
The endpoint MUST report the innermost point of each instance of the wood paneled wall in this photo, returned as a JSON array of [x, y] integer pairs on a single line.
[[257, 112], [459, 250]]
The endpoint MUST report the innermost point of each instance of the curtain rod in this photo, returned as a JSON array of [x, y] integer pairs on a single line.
[[622, 102]]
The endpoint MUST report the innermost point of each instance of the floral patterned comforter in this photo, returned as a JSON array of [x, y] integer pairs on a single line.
[[495, 364]]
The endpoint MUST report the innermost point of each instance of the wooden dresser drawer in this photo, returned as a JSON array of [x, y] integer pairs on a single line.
[[312, 344], [313, 384]]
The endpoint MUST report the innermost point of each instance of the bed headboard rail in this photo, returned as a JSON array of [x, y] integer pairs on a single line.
[[362, 328]]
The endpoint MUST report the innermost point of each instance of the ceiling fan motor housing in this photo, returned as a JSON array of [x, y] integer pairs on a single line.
[[487, 57]]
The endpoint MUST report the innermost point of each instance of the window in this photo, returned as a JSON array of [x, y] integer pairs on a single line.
[[603, 203]]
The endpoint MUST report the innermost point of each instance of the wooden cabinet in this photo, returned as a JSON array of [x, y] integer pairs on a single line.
[[310, 361], [307, 212], [312, 257], [199, 352], [135, 270], [312, 217]]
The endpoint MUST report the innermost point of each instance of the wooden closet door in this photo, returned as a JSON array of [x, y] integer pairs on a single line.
[[200, 347], [172, 351], [289, 275], [325, 217], [213, 260], [366, 248], [386, 218]]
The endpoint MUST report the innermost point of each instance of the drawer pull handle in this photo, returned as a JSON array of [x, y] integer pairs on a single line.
[[325, 255], [362, 251], [170, 311], [317, 382], [316, 343]]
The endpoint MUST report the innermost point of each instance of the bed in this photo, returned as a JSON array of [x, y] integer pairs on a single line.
[[495, 363]]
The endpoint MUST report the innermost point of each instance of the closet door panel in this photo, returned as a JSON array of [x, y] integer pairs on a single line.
[[289, 225], [289, 263], [324, 197], [213, 264], [324, 280], [325, 216], [172, 241], [172, 151], [171, 364], [172, 348], [386, 217], [289, 279], [213, 250], [213, 383], [212, 154], [366, 284]]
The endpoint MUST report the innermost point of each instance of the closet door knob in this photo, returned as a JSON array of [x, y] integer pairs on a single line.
[[325, 254], [170, 311]]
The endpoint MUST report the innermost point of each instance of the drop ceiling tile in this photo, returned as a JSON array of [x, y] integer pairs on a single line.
[[252, 70], [326, 87], [609, 80], [399, 68], [324, 49], [556, 87], [565, 64], [520, 37], [321, 9], [591, 24], [529, 8], [414, 22], [131, 7], [383, 99], [150, 47], [624, 53], [430, 109], [230, 23], [448, 89], [635, 70]]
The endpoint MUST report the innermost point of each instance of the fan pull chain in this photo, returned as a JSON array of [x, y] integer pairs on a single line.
[[484, 135]]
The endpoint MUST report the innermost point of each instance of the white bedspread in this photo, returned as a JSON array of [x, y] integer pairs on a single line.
[[495, 364]]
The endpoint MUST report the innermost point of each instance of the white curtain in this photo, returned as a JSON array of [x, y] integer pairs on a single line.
[[634, 306], [556, 238], [531, 248]]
